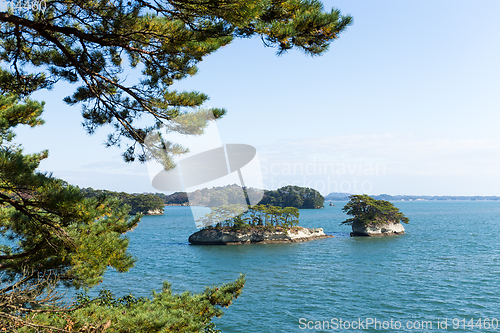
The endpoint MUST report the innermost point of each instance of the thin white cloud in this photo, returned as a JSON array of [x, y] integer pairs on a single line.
[[403, 154]]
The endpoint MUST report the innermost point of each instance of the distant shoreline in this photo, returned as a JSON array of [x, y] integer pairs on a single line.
[[334, 197]]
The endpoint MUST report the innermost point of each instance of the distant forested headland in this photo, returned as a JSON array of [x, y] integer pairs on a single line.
[[345, 197], [153, 203], [143, 203], [287, 196], [293, 196]]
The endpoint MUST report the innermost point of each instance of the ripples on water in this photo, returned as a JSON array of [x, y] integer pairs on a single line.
[[446, 266]]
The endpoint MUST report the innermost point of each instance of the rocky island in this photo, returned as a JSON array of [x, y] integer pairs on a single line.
[[260, 224], [377, 229], [230, 236], [373, 217]]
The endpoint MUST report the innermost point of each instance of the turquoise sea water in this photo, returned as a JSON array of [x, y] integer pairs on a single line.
[[447, 266]]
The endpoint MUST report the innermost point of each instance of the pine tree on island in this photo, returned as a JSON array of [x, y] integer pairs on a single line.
[[372, 217], [235, 224]]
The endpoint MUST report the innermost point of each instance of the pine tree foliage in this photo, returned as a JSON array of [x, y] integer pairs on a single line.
[[366, 210], [96, 44], [293, 196], [237, 218], [163, 312], [50, 232]]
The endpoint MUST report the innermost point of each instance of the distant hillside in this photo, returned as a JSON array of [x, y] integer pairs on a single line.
[[335, 196], [287, 196], [144, 203], [294, 196]]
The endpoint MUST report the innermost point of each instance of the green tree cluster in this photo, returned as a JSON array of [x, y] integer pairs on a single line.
[[222, 196], [177, 198], [366, 210], [259, 215], [288, 196], [139, 203], [293, 196]]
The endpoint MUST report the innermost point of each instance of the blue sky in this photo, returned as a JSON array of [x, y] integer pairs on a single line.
[[405, 102]]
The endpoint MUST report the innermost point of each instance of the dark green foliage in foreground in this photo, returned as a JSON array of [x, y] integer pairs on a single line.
[[367, 210], [51, 228], [259, 215], [139, 203], [163, 312], [51, 233], [293, 196]]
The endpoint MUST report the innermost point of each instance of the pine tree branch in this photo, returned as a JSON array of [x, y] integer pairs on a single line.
[[60, 232], [82, 72], [106, 40], [40, 246], [27, 323]]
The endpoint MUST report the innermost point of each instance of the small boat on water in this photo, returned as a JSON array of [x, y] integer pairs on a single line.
[[331, 204]]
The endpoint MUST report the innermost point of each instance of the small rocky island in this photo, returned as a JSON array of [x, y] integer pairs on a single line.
[[373, 217], [230, 236], [377, 229], [261, 224], [156, 211]]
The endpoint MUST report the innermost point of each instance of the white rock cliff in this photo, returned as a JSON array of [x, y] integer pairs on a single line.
[[380, 229], [226, 237]]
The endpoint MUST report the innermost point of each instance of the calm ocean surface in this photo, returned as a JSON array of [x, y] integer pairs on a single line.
[[446, 266]]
